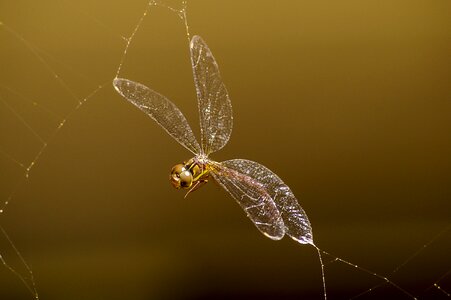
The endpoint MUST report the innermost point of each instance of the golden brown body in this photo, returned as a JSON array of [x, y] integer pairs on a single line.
[[189, 175]]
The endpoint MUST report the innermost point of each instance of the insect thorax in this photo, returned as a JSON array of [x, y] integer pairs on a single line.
[[189, 172]]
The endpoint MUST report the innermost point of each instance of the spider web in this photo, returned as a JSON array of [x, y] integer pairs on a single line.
[[57, 113]]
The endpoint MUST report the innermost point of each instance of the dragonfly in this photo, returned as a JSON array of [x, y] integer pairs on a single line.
[[266, 199]]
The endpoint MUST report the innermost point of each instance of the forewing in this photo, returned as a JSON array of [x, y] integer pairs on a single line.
[[297, 225], [215, 108], [160, 109], [253, 198]]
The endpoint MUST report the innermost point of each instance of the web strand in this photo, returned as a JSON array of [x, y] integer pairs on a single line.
[[323, 277], [386, 279], [32, 49], [130, 38], [26, 167], [30, 286]]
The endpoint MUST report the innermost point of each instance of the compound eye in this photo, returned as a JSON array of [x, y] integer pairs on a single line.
[[177, 169], [186, 179], [175, 175]]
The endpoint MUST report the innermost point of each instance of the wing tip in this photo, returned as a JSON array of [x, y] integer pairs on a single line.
[[273, 237], [117, 81], [117, 84], [305, 239], [195, 39], [122, 85]]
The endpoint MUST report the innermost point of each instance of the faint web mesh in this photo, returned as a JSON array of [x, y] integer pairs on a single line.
[[31, 119]]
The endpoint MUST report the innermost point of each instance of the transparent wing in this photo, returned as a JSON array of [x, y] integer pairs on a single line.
[[252, 196], [215, 108], [160, 109], [297, 225]]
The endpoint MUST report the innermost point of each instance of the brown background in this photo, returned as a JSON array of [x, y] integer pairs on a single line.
[[348, 101]]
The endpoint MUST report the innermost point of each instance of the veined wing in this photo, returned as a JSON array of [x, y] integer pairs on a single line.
[[252, 196], [215, 108], [160, 109], [297, 225]]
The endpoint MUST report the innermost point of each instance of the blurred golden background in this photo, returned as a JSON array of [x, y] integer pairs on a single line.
[[348, 102]]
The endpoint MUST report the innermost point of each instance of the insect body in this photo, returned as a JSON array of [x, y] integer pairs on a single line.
[[189, 175], [264, 197]]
